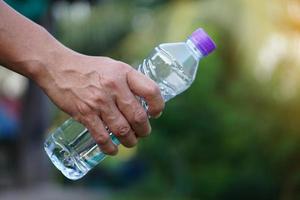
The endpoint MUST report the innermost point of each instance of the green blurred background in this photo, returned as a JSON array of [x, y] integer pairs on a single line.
[[235, 133]]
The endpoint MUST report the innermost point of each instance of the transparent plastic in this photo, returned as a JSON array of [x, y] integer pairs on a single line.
[[172, 66]]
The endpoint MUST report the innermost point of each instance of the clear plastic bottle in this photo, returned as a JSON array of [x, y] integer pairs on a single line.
[[172, 66]]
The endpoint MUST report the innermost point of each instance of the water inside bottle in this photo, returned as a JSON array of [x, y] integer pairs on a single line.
[[72, 149], [172, 74]]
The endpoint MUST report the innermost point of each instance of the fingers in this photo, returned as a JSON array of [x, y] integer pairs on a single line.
[[114, 101], [144, 87], [95, 126], [118, 125], [134, 112]]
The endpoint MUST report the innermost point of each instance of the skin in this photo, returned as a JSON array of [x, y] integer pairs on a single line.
[[96, 91]]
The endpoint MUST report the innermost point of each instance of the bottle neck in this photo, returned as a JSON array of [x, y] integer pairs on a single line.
[[196, 52]]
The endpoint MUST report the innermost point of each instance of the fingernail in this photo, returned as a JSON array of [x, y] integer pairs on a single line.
[[150, 129], [124, 132], [157, 116]]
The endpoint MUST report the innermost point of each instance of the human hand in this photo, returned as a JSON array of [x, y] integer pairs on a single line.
[[100, 92], [95, 91]]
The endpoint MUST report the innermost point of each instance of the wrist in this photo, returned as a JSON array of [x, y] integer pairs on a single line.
[[46, 60]]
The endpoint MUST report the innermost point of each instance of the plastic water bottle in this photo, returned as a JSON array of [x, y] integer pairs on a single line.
[[172, 66]]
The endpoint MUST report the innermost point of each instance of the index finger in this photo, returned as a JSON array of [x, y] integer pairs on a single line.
[[143, 86]]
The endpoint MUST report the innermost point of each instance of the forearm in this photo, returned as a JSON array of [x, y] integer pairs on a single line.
[[25, 47]]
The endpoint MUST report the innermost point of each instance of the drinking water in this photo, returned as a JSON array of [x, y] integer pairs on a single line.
[[172, 66]]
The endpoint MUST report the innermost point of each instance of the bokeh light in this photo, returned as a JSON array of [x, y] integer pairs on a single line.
[[234, 134]]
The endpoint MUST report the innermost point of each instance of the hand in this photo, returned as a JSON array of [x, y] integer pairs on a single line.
[[100, 92], [96, 91]]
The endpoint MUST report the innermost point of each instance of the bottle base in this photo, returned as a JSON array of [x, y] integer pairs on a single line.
[[63, 159]]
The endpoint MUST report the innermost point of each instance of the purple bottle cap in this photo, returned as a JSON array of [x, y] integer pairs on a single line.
[[202, 41]]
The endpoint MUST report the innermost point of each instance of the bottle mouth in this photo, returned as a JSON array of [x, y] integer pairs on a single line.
[[203, 42]]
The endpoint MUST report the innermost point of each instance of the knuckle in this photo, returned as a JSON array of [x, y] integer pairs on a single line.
[[91, 122], [123, 130], [82, 108], [123, 65], [140, 116], [107, 59], [93, 92], [109, 83], [96, 98], [101, 99]]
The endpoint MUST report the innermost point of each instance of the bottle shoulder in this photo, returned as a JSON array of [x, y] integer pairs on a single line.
[[179, 51], [181, 54]]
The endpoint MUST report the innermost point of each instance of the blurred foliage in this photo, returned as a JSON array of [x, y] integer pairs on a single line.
[[234, 134]]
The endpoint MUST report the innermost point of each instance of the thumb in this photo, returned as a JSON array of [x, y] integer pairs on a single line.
[[143, 86]]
